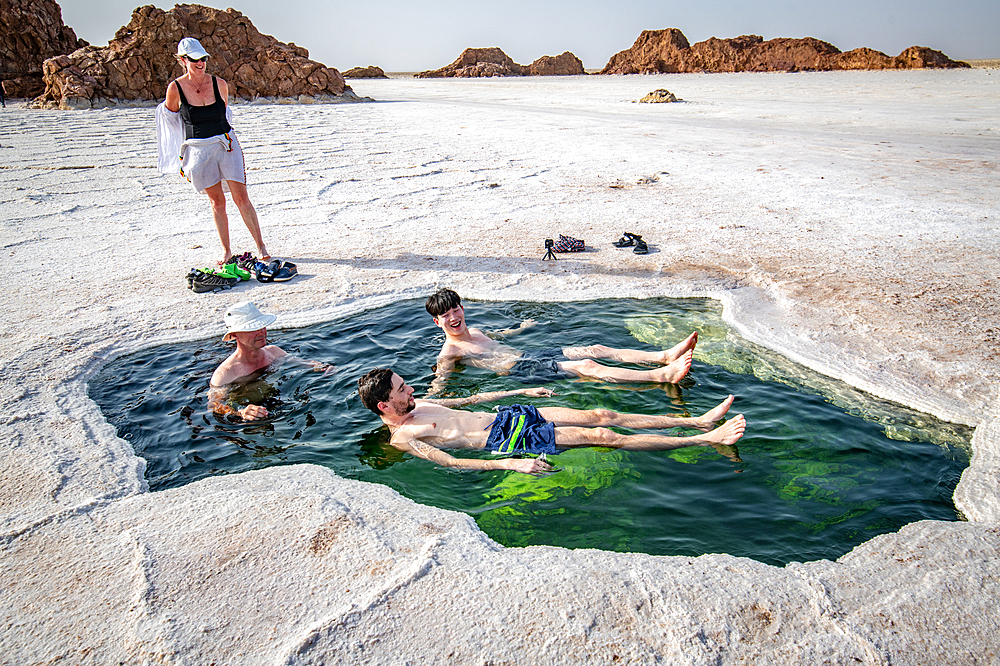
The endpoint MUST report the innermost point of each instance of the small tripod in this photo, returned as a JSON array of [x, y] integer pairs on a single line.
[[548, 250]]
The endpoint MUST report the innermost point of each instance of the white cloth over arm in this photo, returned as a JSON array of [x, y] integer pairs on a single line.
[[170, 138]]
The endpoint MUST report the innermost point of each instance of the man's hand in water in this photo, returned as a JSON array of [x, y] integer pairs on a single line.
[[507, 332], [326, 368], [252, 412], [529, 465], [537, 392]]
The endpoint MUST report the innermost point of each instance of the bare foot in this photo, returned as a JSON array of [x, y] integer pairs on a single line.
[[675, 371], [264, 256], [727, 433], [677, 350], [225, 261], [706, 421]]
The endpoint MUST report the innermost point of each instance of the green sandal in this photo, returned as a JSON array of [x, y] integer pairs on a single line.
[[232, 269]]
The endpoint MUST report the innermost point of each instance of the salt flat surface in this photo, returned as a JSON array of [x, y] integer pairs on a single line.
[[846, 219]]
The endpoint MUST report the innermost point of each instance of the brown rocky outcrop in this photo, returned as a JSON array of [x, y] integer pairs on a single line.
[[136, 66], [477, 63], [30, 32], [668, 51], [494, 62], [921, 57], [369, 72], [566, 64], [654, 52]]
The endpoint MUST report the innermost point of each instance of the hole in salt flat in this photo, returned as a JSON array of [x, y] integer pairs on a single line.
[[824, 467]]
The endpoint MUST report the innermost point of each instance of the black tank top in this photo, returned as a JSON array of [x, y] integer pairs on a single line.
[[204, 122]]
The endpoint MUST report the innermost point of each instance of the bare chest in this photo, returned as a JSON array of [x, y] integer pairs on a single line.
[[201, 94], [454, 430]]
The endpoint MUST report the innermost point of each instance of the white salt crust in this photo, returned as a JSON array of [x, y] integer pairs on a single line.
[[848, 220]]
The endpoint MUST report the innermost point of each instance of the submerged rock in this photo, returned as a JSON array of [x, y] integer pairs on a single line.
[[139, 62], [668, 51]]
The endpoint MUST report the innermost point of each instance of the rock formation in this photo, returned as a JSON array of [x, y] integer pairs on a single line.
[[369, 72], [477, 63], [566, 64], [139, 62], [659, 97], [492, 61], [668, 51], [30, 32]]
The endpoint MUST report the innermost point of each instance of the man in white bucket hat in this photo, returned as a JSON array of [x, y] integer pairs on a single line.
[[247, 325]]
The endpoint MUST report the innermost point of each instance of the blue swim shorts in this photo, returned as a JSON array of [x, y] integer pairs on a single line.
[[539, 366], [521, 429]]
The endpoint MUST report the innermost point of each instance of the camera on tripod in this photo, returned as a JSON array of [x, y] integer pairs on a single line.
[[549, 244]]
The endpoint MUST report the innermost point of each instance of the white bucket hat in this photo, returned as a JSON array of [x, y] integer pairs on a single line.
[[189, 46], [243, 317]]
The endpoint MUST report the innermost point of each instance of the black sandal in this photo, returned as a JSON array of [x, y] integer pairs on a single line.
[[640, 246], [628, 240], [266, 273]]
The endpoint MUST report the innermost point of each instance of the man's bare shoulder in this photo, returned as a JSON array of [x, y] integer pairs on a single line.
[[275, 352], [426, 408], [225, 373], [232, 369]]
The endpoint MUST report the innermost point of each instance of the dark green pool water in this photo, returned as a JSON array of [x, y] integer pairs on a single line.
[[823, 467]]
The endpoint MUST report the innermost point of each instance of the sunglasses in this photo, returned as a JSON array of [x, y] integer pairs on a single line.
[[201, 59]]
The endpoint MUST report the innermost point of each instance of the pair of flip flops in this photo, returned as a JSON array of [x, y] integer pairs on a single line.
[[275, 271], [634, 241]]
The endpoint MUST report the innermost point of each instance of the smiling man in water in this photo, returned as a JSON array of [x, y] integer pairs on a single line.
[[424, 427], [476, 348], [248, 327]]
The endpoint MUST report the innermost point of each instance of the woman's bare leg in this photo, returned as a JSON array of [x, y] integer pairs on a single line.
[[218, 200], [242, 200]]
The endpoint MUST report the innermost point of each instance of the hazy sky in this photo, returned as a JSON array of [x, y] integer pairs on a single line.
[[400, 35]]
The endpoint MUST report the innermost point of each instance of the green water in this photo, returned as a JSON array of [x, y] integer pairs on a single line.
[[823, 467]]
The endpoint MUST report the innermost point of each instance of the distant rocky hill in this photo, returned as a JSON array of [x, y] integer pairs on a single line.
[[668, 51], [565, 64], [30, 32], [487, 62], [369, 72], [139, 62]]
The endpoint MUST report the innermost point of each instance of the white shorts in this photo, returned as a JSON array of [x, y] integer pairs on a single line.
[[205, 162]]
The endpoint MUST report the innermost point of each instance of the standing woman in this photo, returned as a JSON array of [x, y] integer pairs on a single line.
[[193, 125]]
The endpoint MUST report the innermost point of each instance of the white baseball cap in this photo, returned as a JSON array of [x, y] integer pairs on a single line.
[[189, 46], [243, 317]]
